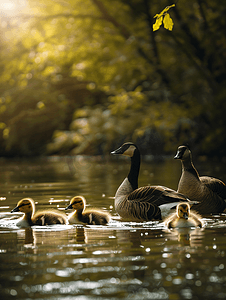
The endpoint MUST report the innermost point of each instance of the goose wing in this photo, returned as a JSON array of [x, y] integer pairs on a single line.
[[143, 203], [156, 195], [143, 211], [215, 185]]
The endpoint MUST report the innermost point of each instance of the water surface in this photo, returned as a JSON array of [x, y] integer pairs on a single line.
[[118, 261]]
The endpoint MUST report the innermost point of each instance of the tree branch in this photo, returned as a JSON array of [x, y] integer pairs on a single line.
[[154, 44], [123, 30], [62, 15], [202, 70], [199, 51], [112, 20]]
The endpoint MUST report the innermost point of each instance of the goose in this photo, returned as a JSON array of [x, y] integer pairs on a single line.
[[45, 217], [209, 192], [183, 218], [144, 203], [86, 216]]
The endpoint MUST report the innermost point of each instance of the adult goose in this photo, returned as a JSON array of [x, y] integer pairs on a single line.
[[144, 203], [208, 191], [45, 217], [86, 216], [184, 218]]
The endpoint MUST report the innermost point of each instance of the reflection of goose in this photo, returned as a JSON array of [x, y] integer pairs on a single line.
[[29, 237], [86, 216], [144, 203], [45, 217], [183, 218], [209, 191]]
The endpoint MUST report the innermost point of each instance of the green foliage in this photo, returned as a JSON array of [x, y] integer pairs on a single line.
[[81, 75]]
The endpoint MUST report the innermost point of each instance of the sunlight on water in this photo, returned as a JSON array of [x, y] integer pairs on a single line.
[[123, 260]]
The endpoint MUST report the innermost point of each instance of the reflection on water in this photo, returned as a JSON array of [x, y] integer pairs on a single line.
[[118, 261], [112, 262]]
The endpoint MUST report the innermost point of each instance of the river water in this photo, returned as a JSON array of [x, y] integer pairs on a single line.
[[118, 261]]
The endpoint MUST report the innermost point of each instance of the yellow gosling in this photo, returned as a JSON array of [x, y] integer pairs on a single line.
[[86, 216], [183, 218], [45, 217]]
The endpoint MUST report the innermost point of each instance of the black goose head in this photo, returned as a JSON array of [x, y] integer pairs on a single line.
[[183, 153], [127, 149]]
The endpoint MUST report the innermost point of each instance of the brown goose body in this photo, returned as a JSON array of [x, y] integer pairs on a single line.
[[184, 218], [86, 216], [41, 218], [208, 191], [144, 203]]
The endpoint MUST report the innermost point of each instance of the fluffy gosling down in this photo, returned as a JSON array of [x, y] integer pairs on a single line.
[[183, 218], [86, 216], [42, 218]]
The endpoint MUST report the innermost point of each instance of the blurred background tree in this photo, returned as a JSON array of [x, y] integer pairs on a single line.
[[81, 77]]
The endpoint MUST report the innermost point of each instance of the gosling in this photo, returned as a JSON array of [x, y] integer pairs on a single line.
[[42, 218], [86, 216], [183, 218]]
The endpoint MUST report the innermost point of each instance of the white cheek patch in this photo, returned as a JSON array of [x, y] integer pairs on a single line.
[[130, 151]]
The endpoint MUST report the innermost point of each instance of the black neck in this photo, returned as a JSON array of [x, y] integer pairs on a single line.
[[134, 169]]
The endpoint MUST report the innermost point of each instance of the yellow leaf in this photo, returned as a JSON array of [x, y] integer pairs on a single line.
[[157, 24], [168, 22]]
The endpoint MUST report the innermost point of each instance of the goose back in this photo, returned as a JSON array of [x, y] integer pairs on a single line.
[[90, 217], [48, 218], [215, 185]]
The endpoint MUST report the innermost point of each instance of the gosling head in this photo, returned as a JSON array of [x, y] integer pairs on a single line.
[[25, 205], [183, 210], [77, 203], [183, 153], [127, 149]]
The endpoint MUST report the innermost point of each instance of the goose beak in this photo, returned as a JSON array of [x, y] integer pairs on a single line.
[[69, 207], [178, 155], [117, 151], [16, 209]]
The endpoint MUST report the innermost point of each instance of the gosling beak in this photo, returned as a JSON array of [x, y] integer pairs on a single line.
[[185, 215], [117, 151], [69, 207], [178, 155], [17, 208]]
